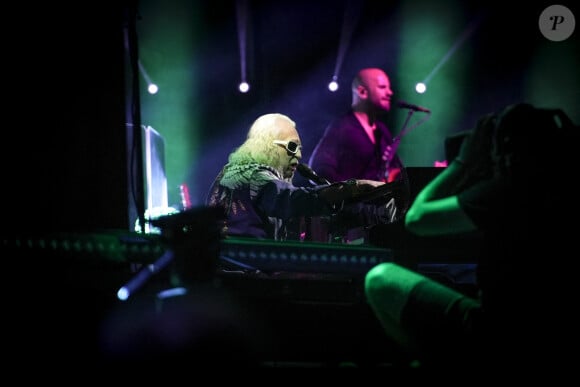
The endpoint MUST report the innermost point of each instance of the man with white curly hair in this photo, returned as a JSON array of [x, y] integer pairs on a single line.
[[256, 191]]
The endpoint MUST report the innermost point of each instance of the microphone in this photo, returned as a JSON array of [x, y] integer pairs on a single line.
[[308, 173], [406, 105]]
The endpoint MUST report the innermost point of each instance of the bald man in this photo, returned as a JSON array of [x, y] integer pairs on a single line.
[[358, 144]]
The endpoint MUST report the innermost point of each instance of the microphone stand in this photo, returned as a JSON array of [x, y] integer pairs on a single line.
[[192, 238]]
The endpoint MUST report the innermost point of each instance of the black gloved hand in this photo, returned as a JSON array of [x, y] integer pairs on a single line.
[[347, 191]]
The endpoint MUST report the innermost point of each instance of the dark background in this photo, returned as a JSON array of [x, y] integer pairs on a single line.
[[192, 50], [71, 89], [67, 150]]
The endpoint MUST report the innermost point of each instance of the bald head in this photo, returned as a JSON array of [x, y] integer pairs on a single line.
[[371, 90], [366, 75]]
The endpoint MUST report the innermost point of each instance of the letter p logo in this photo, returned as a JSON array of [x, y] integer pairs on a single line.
[[556, 23]]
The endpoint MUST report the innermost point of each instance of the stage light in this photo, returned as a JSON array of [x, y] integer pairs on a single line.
[[333, 85], [123, 294], [173, 292], [242, 21], [421, 87], [352, 12], [144, 275], [244, 87], [152, 88]]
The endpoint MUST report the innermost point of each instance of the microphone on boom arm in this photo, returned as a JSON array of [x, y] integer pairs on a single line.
[[417, 108], [309, 173]]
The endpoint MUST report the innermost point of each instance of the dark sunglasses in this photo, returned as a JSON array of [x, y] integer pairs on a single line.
[[290, 146]]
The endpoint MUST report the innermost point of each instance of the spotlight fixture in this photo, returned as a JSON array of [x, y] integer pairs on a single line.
[[421, 87], [333, 85], [244, 87], [152, 88]]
